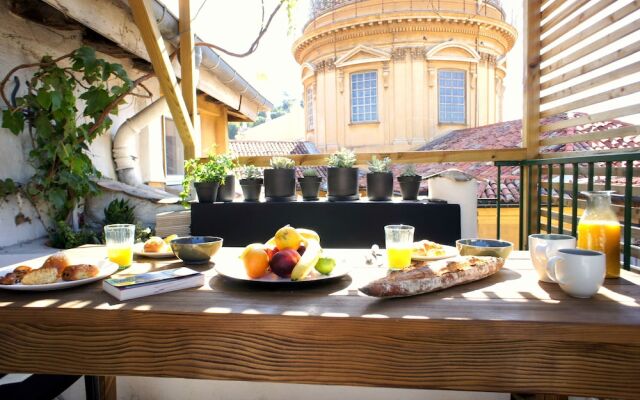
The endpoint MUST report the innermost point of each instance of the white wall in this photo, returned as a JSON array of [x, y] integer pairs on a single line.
[[26, 42]]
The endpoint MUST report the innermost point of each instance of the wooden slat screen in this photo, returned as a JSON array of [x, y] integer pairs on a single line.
[[589, 68]]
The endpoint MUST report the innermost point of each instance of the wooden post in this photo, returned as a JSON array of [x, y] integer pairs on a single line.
[[154, 43], [531, 114], [187, 60]]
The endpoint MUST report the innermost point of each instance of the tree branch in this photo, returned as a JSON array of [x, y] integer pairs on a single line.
[[254, 45], [22, 66]]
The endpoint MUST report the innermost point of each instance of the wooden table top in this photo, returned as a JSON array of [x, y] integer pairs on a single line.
[[507, 332]]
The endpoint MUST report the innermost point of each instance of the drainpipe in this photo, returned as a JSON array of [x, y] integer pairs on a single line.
[[125, 150]]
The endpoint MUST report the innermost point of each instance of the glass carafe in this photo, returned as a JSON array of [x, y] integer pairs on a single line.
[[599, 230]]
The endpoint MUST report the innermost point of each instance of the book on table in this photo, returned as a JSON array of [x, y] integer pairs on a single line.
[[150, 283]]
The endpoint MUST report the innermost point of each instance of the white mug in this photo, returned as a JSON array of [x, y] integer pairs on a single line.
[[544, 246], [580, 273]]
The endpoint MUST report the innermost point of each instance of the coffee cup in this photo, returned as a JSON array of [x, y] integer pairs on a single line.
[[580, 273], [544, 246]]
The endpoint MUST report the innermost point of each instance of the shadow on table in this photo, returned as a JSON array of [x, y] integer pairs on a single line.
[[319, 287]]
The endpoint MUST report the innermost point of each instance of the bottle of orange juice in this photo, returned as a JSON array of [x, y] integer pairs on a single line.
[[599, 230]]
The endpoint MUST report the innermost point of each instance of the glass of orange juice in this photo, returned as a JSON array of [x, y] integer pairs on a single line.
[[399, 245], [119, 239]]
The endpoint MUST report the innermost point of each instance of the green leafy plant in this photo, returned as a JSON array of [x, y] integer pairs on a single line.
[[310, 172], [61, 236], [119, 211], [282, 163], [344, 158], [60, 132], [7, 187], [250, 172], [409, 170], [379, 165], [215, 169]]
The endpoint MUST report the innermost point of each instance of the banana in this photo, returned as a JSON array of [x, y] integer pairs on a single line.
[[308, 234], [307, 261], [271, 242]]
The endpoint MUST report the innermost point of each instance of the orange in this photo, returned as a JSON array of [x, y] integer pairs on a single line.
[[256, 262]]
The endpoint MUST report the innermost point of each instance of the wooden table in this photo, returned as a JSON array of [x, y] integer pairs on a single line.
[[506, 333]]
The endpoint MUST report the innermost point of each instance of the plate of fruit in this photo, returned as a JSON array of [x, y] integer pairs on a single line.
[[293, 255]]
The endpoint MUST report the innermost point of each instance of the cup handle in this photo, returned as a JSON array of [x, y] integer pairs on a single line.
[[540, 252], [551, 268]]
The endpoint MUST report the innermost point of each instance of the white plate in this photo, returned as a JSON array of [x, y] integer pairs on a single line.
[[138, 249], [449, 252], [106, 268], [237, 272]]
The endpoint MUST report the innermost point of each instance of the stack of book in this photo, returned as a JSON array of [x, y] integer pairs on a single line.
[[150, 283]]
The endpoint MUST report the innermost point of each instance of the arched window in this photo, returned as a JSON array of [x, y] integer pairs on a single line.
[[309, 104], [451, 97], [364, 96]]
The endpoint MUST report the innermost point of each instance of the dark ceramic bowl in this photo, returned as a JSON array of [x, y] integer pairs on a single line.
[[484, 247], [196, 249]]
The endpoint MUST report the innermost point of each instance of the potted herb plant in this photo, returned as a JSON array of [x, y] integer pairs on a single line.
[[409, 182], [342, 180], [380, 179], [227, 191], [205, 176], [280, 180], [251, 182], [310, 184]]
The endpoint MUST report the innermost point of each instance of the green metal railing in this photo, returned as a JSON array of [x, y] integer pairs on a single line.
[[556, 197]]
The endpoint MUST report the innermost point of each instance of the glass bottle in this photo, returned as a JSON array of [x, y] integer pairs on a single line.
[[599, 230]]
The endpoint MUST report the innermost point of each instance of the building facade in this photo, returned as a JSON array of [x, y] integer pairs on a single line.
[[394, 74]]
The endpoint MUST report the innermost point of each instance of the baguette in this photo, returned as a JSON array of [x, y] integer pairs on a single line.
[[423, 279]]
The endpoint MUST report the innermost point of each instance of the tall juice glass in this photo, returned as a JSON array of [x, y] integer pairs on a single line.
[[119, 239], [399, 245], [599, 230]]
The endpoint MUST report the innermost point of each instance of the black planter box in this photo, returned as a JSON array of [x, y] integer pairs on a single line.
[[342, 182], [410, 186], [251, 189], [310, 186], [279, 184], [207, 191], [227, 192], [379, 186]]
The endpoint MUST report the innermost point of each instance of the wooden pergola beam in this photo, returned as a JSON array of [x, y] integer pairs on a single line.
[[154, 43], [187, 59]]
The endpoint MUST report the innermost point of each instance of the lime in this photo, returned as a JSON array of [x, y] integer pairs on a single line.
[[325, 265]]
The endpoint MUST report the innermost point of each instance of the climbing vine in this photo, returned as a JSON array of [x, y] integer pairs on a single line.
[[60, 132]]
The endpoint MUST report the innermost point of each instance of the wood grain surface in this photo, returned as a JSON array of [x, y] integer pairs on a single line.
[[507, 333]]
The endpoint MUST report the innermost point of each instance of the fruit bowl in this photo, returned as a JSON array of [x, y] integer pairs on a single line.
[[196, 249]]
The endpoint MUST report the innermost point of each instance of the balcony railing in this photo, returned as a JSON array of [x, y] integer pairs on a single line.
[[324, 11]]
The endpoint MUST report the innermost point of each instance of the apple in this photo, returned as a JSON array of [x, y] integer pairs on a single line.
[[283, 262], [271, 252]]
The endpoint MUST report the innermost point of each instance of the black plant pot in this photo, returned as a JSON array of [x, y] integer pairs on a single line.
[[251, 189], [342, 183], [227, 192], [207, 191], [379, 186], [410, 186], [310, 186], [280, 184]]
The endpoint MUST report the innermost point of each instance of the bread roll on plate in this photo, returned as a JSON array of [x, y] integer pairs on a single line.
[[59, 260], [155, 244], [80, 271], [41, 276]]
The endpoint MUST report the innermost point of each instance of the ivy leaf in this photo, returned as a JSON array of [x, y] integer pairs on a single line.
[[43, 126], [44, 98], [97, 100], [57, 197], [7, 187], [56, 100], [13, 120]]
